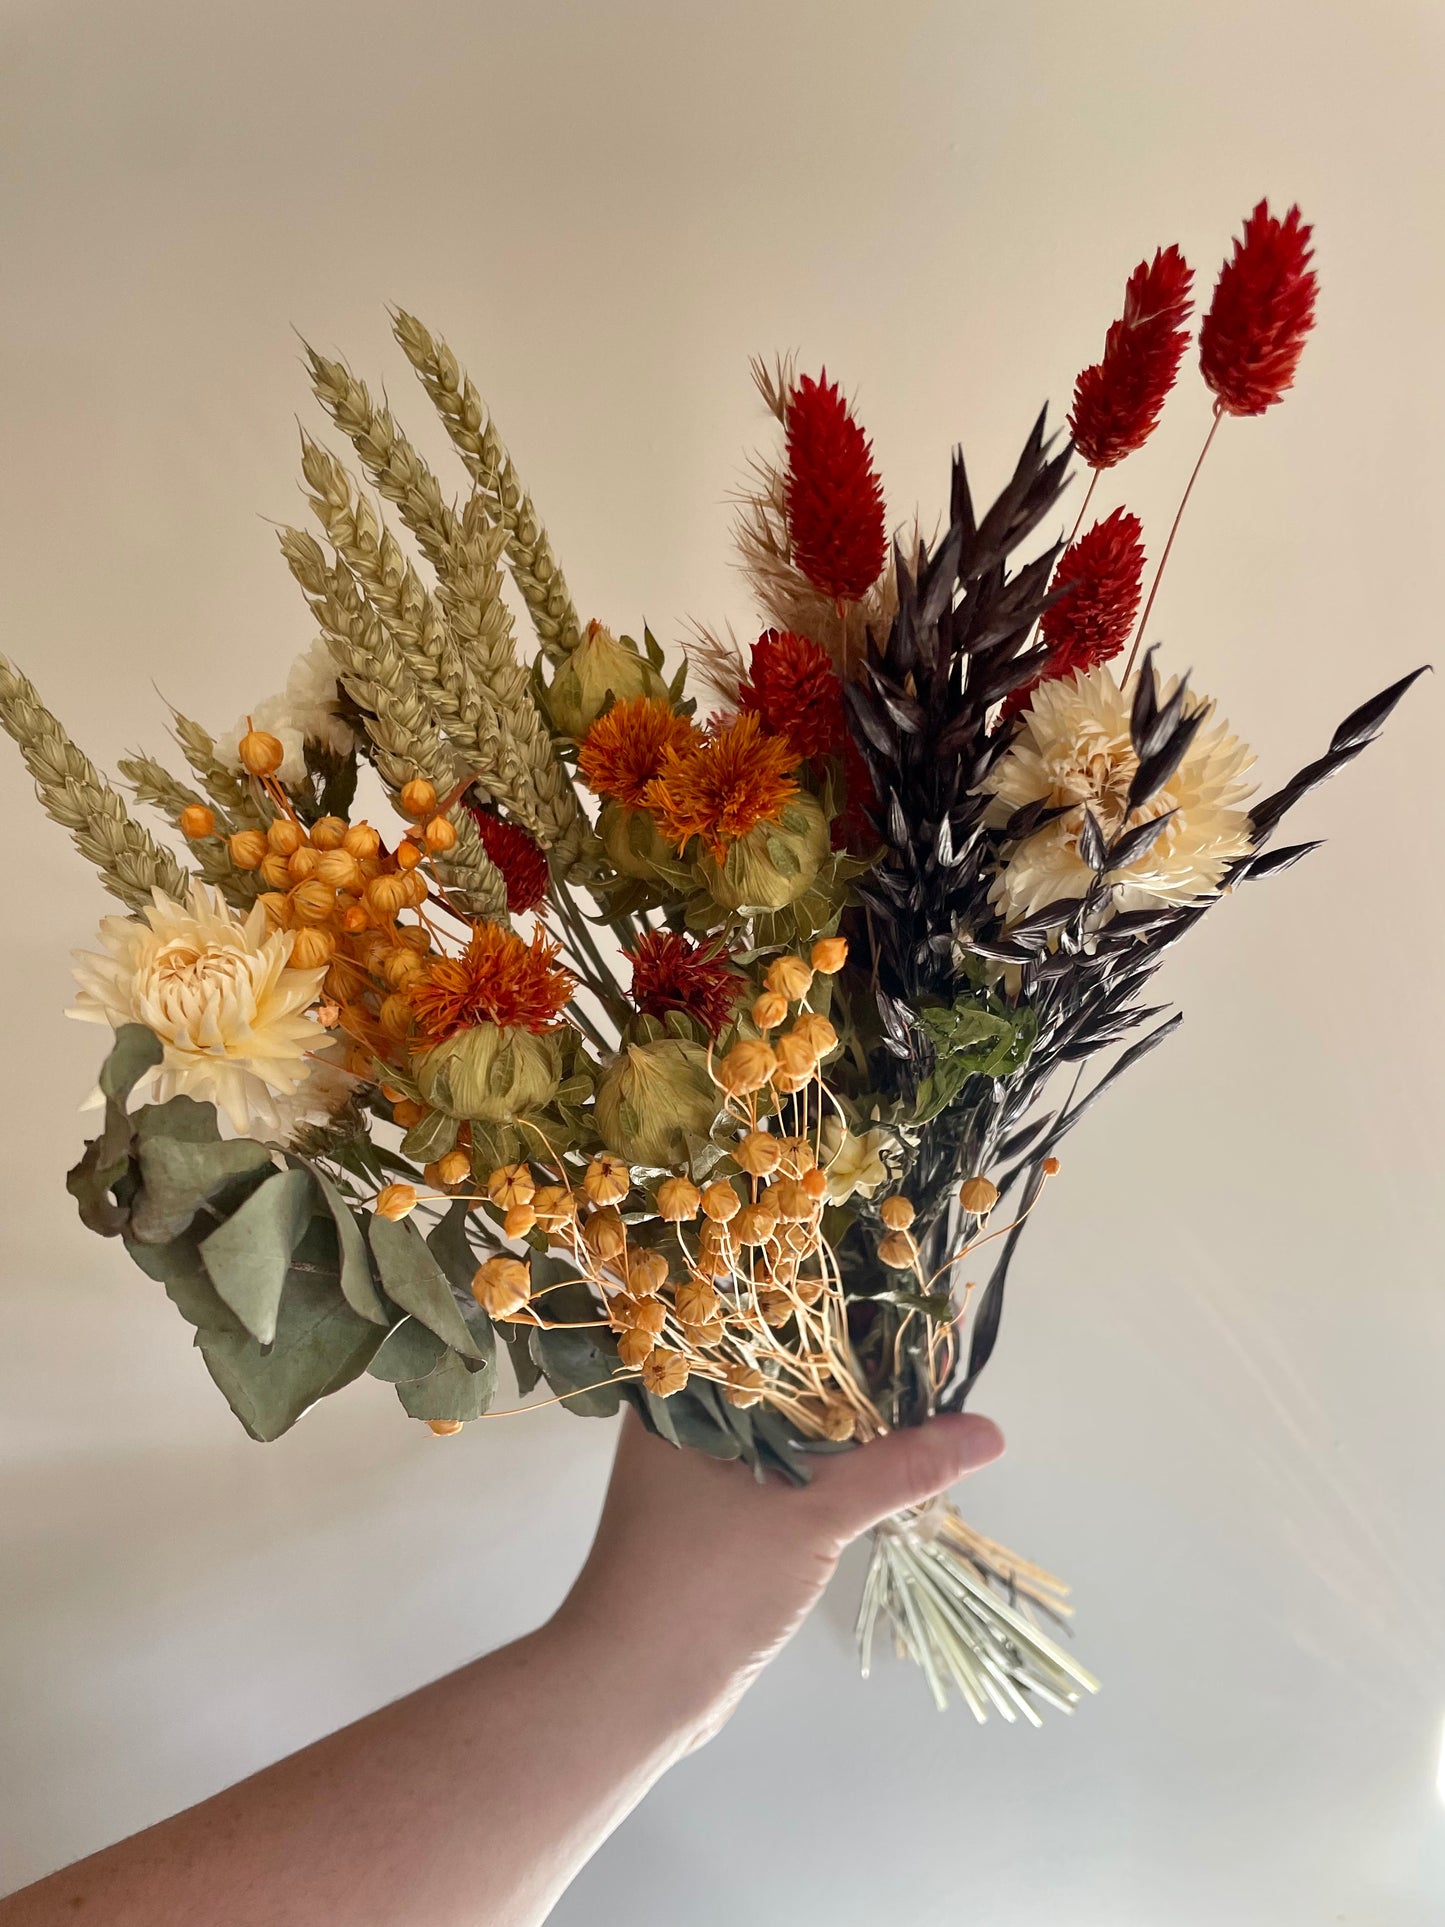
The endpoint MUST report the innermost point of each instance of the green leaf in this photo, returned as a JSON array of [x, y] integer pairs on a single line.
[[580, 1360], [358, 1287], [136, 1050], [106, 1158], [320, 1345], [934, 1304], [414, 1280], [185, 1164], [525, 1369], [448, 1243], [409, 1350], [452, 1391], [249, 1256], [178, 1267], [432, 1138]]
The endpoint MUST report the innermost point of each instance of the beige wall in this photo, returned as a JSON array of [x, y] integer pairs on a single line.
[[1221, 1372]]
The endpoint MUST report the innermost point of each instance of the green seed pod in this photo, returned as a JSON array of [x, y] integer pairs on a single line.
[[653, 1098], [598, 669], [774, 864], [489, 1073]]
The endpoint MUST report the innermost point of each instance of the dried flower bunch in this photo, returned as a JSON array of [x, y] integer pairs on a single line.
[[700, 1062]]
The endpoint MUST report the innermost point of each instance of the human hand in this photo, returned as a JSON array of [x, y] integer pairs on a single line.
[[706, 1574]]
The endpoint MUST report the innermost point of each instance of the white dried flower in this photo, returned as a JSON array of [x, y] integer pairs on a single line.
[[1073, 748], [219, 993], [305, 712], [851, 1163]]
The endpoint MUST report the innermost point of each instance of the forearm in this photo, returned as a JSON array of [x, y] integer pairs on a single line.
[[471, 1803]]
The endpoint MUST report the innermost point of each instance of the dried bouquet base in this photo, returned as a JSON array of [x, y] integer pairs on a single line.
[[965, 1609]]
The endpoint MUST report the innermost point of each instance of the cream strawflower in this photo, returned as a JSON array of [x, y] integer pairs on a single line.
[[220, 995], [304, 713], [1073, 747], [850, 1163]]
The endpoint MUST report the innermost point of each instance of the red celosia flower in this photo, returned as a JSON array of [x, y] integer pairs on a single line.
[[834, 497], [517, 855], [725, 786], [497, 980], [795, 690], [670, 972], [1263, 307], [1117, 402], [1103, 572]]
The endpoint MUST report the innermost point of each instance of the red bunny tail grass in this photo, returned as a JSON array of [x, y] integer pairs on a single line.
[[795, 691], [521, 859], [1263, 307], [834, 498], [1117, 402], [1103, 573]]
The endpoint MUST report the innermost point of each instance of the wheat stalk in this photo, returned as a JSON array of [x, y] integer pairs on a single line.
[[130, 861], [459, 647], [387, 456], [474, 435], [153, 784], [401, 723], [228, 791]]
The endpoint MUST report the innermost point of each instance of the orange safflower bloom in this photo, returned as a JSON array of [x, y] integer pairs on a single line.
[[626, 748], [497, 980], [724, 785]]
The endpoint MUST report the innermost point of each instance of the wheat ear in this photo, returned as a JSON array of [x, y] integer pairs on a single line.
[[228, 791], [403, 727], [153, 784], [130, 861], [474, 435]]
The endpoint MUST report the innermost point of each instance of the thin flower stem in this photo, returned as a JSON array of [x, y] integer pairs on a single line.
[[1084, 506], [1178, 518]]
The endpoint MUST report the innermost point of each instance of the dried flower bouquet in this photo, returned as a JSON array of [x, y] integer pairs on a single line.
[[701, 1063]]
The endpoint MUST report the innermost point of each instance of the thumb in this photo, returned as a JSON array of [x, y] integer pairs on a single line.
[[907, 1467]]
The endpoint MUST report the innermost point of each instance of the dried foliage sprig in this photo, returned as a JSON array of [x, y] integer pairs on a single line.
[[474, 435], [130, 861], [409, 741]]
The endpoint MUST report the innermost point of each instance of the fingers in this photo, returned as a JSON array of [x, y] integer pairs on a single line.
[[908, 1467]]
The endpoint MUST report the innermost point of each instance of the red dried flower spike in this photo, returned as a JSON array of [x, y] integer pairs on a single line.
[[834, 498], [1104, 573], [1117, 402], [518, 856], [1263, 307], [670, 972], [794, 689]]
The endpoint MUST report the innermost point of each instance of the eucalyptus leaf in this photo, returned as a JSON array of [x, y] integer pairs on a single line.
[[320, 1345], [185, 1165], [358, 1287], [414, 1280], [178, 1267], [409, 1350], [249, 1255], [448, 1243], [106, 1158], [452, 1391]]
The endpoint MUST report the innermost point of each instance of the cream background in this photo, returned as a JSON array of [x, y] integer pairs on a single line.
[[1222, 1364]]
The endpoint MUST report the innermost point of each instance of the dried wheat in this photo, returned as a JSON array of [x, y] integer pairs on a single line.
[[474, 435], [130, 861], [400, 721]]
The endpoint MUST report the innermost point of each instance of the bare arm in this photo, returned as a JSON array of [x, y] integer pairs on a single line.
[[697, 1578]]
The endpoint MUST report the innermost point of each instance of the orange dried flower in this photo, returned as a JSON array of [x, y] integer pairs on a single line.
[[498, 980], [626, 748], [724, 785]]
